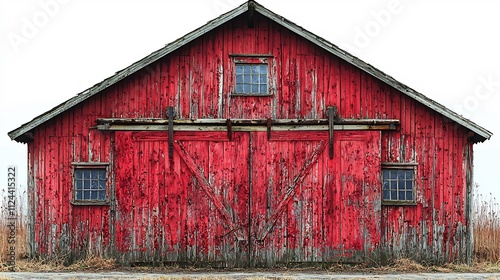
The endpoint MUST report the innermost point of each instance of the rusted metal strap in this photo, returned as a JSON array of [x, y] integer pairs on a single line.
[[269, 122], [331, 112], [229, 129], [170, 116]]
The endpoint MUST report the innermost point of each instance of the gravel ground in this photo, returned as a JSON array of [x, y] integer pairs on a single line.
[[241, 275]]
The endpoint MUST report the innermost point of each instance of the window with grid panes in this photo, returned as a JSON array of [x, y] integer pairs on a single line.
[[90, 184], [252, 75], [251, 79], [398, 184]]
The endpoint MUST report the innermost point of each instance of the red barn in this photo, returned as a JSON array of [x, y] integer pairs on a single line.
[[250, 142]]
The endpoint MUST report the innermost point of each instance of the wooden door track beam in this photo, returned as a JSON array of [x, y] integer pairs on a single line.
[[235, 125]]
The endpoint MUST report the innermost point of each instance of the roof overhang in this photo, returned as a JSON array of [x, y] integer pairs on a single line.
[[23, 133]]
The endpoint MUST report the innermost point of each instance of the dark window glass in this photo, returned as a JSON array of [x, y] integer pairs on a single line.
[[398, 184], [90, 184]]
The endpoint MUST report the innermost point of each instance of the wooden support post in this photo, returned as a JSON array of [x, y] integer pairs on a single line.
[[229, 130], [170, 116], [268, 129], [331, 112]]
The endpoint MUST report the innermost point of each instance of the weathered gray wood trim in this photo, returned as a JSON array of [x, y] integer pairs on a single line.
[[469, 203], [239, 128], [32, 203], [151, 121], [483, 133]]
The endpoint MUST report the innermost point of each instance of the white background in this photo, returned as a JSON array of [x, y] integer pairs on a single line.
[[448, 50]]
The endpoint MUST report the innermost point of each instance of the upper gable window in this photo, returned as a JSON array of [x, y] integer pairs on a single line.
[[252, 76]]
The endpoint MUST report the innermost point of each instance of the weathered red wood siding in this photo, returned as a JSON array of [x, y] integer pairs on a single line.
[[157, 219]]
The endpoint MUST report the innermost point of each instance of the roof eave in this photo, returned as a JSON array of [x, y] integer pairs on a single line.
[[332, 48], [17, 134]]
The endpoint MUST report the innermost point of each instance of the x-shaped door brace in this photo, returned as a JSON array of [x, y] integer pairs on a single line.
[[292, 189], [208, 189]]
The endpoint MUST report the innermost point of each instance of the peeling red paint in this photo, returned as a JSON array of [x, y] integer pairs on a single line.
[[251, 200]]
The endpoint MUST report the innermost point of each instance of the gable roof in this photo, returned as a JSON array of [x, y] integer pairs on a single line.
[[21, 134]]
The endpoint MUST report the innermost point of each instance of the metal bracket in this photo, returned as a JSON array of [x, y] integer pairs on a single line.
[[229, 129], [332, 113], [170, 116], [268, 124]]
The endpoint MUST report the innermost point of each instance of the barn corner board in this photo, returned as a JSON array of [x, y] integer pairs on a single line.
[[251, 142]]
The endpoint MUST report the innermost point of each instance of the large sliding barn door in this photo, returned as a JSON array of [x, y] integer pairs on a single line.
[[191, 208], [308, 208], [257, 200]]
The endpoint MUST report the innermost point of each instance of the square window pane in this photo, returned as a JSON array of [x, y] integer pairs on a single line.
[[247, 79], [401, 176], [263, 79], [263, 88], [385, 174], [79, 174], [409, 175], [239, 69], [86, 185], [263, 68], [86, 195], [102, 185], [86, 174], [255, 69], [401, 195], [102, 195], [94, 184], [79, 184], [409, 195], [239, 88], [102, 174], [93, 195], [246, 88], [409, 185], [394, 185], [387, 195], [255, 79], [79, 194], [239, 79], [255, 88], [393, 174], [385, 185]]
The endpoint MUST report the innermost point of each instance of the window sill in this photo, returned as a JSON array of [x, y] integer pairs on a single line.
[[398, 203], [90, 203], [250, 95]]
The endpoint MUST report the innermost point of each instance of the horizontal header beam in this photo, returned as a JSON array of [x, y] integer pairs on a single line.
[[244, 124]]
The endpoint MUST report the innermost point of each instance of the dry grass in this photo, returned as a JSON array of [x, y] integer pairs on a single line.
[[21, 228], [486, 230]]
